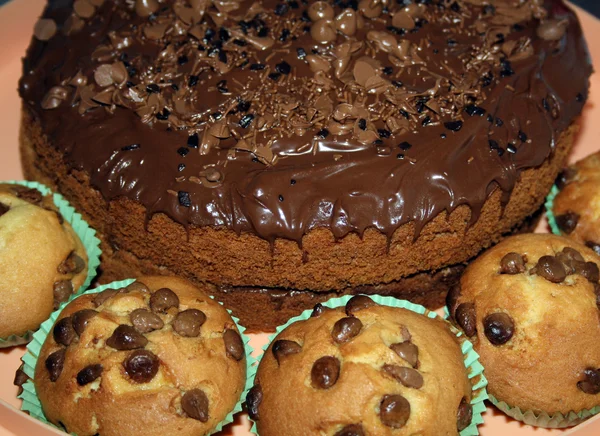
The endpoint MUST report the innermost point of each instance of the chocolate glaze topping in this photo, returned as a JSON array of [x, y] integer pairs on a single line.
[[280, 116]]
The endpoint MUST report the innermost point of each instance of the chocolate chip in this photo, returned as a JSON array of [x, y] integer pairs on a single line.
[[407, 351], [550, 268], [141, 366], [63, 331], [253, 400], [89, 374], [188, 322], [464, 414], [351, 430], [589, 270], [62, 290], [195, 404], [474, 110], [567, 222], [570, 257], [498, 328], [73, 264], [452, 298], [81, 319], [30, 195], [234, 346], [163, 299], [565, 177], [345, 329], [184, 198], [594, 246], [20, 379], [126, 337], [358, 302], [101, 297], [394, 411], [325, 372], [512, 263], [282, 348], [136, 286], [317, 310], [54, 364], [591, 381], [465, 318], [411, 378], [3, 208], [145, 321], [283, 68]]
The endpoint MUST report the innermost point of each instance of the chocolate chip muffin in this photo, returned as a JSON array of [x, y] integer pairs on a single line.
[[362, 369], [42, 260], [531, 307], [577, 206], [156, 357]]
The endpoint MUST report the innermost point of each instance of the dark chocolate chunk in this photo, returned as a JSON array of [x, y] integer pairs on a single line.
[[30, 195], [62, 290], [184, 198], [89, 374], [465, 318], [565, 177], [567, 222], [325, 372], [499, 328], [234, 346], [126, 337], [3, 208], [141, 366], [195, 404], [73, 264], [550, 268], [54, 364], [452, 298], [358, 302], [589, 270], [193, 141], [345, 329], [163, 299], [81, 319], [351, 430], [145, 321], [409, 377], [455, 126], [253, 400], [594, 246], [473, 110], [188, 322], [407, 351], [283, 347], [101, 297], [394, 411], [512, 263], [591, 381], [283, 68], [317, 310], [464, 415], [63, 331], [405, 145]]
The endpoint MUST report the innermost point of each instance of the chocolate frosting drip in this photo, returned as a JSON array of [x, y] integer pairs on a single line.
[[281, 116]]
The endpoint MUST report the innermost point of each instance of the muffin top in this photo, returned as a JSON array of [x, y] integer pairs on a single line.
[[531, 307], [279, 116], [577, 205], [362, 369], [152, 358], [42, 260]]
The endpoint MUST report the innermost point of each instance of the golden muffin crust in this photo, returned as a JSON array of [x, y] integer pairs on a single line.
[[42, 261], [530, 307], [340, 372], [577, 206], [155, 358]]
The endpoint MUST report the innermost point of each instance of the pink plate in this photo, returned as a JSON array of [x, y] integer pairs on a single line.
[[16, 23]]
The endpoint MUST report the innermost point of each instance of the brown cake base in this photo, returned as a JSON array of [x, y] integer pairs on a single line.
[[240, 266]]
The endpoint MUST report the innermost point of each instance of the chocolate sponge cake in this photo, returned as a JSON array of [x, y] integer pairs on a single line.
[[284, 150]]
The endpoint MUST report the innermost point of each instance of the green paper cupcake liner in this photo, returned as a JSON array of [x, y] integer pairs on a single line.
[[86, 234], [30, 401], [471, 358], [549, 210], [543, 419]]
